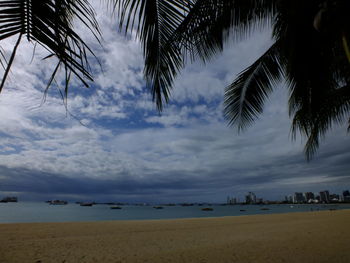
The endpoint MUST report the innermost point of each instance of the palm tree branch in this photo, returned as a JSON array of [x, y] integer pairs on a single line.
[[245, 97], [333, 110], [208, 24], [49, 23], [9, 64], [155, 23]]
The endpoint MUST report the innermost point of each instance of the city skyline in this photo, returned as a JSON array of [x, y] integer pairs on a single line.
[[297, 197], [324, 196]]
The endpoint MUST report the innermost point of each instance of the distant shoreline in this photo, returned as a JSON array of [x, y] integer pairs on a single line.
[[43, 212], [175, 219]]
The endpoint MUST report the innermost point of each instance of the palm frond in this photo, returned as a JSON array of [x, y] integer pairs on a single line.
[[155, 23], [245, 97], [210, 22], [334, 109], [169, 29], [9, 64], [50, 24]]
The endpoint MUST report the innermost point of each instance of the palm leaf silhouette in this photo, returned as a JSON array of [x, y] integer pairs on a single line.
[[313, 60], [50, 24], [244, 98]]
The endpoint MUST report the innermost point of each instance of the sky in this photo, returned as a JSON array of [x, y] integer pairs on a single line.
[[113, 144]]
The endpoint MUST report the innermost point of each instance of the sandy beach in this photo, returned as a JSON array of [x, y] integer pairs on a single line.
[[295, 237]]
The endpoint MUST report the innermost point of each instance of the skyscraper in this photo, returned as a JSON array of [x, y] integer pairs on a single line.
[[309, 196], [346, 196], [324, 196], [250, 198], [298, 198], [231, 200]]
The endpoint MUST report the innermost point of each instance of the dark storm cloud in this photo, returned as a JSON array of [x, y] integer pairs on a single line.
[[271, 174]]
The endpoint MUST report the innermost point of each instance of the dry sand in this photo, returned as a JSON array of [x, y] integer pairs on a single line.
[[297, 237]]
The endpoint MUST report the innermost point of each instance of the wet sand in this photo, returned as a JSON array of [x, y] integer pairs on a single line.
[[296, 237]]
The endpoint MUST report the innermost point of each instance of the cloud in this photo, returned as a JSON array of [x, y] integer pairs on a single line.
[[130, 152]]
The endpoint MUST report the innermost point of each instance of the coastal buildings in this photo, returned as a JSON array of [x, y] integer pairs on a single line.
[[324, 197], [288, 199], [250, 198], [346, 196], [231, 200], [298, 198], [309, 197], [335, 198]]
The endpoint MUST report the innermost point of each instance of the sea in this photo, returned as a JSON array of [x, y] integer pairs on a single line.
[[28, 212]]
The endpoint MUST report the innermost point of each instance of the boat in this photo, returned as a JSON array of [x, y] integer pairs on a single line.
[[9, 199], [86, 204], [158, 207], [57, 202], [115, 207], [242, 210], [207, 209], [264, 208]]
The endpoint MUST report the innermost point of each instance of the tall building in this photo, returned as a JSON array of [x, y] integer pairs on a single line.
[[346, 196], [324, 196], [334, 198], [231, 200], [250, 198], [298, 198], [286, 199], [309, 196]]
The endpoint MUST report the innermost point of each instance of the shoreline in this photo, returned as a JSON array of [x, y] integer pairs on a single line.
[[321, 236], [175, 219], [55, 215]]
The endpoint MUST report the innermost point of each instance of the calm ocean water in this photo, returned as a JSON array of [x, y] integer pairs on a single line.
[[42, 212]]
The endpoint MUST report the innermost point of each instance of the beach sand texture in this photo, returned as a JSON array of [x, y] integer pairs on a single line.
[[296, 237]]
